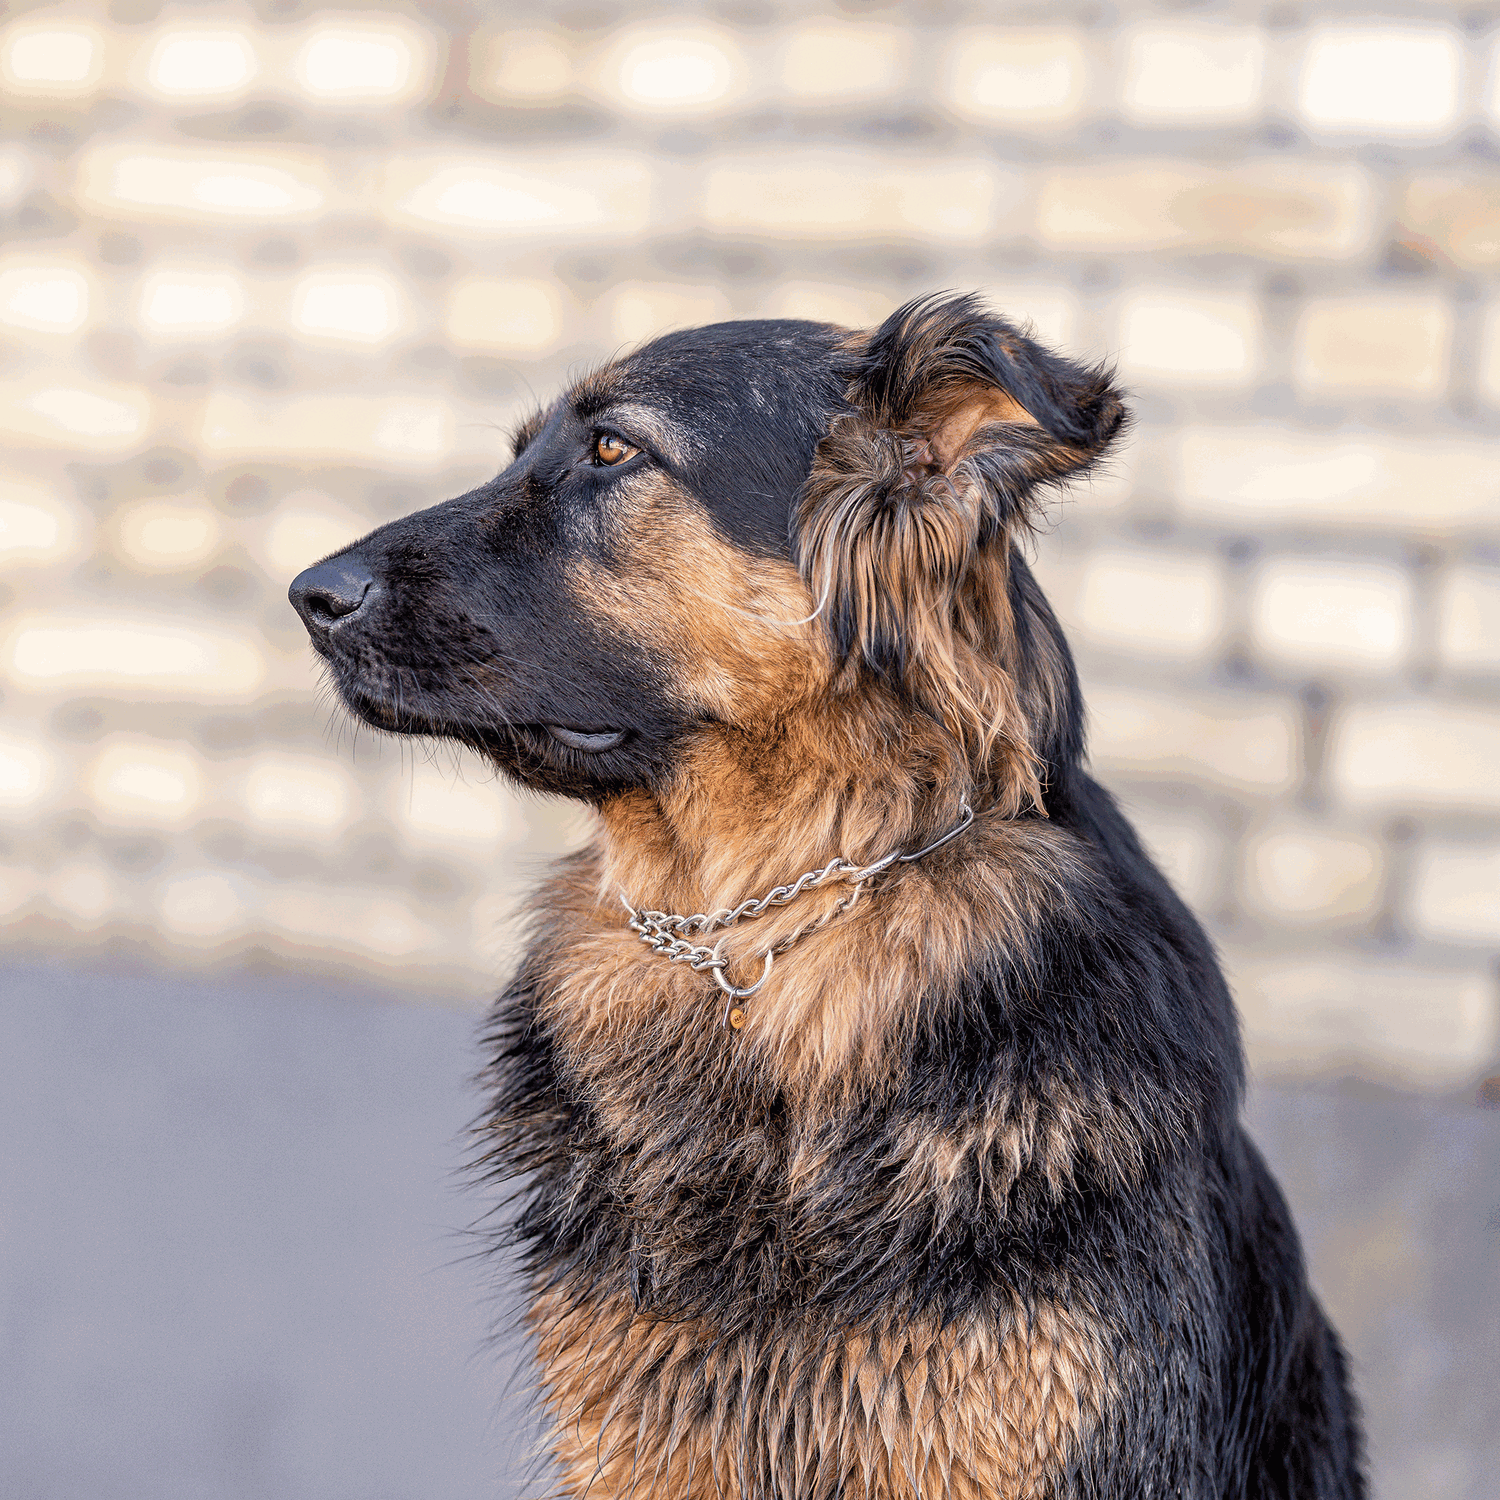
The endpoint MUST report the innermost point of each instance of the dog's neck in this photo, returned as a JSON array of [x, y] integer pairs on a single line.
[[757, 815], [750, 812]]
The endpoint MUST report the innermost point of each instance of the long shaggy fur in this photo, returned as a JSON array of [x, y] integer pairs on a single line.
[[911, 507], [964, 1210], [894, 545]]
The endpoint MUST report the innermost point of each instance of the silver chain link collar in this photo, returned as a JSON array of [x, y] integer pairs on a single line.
[[667, 934]]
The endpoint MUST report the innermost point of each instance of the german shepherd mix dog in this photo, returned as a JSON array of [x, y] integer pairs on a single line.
[[873, 1096]]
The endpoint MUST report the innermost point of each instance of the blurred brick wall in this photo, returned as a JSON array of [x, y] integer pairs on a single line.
[[271, 275]]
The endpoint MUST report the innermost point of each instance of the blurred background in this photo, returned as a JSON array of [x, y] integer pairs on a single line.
[[273, 274]]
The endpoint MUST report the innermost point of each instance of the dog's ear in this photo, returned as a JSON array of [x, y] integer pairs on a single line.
[[956, 422]]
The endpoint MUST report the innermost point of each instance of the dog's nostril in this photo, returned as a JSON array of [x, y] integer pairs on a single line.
[[331, 590]]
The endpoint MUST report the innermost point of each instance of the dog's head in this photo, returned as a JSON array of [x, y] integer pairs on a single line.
[[780, 546]]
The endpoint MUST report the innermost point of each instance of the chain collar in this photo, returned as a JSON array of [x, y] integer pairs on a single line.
[[668, 934]]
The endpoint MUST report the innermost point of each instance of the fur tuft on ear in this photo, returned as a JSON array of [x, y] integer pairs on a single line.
[[943, 368], [955, 422]]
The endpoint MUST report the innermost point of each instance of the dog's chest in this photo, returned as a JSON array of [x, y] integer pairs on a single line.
[[768, 1360], [784, 1404]]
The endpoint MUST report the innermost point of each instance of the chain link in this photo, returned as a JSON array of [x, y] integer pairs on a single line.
[[668, 934]]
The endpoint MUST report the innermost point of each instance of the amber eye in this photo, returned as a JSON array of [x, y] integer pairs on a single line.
[[610, 450]]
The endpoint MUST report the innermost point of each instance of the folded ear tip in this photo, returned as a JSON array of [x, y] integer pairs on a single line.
[[949, 339], [1102, 402]]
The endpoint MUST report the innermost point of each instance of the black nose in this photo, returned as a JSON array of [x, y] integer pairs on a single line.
[[329, 592]]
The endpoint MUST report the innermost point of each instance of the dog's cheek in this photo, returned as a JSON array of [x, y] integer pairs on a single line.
[[728, 631]]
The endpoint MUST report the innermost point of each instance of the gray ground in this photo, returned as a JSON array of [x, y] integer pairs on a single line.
[[231, 1263]]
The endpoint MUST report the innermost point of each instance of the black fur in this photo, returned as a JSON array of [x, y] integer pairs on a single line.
[[1167, 1228]]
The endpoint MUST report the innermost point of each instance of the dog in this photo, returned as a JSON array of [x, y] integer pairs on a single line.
[[873, 1098]]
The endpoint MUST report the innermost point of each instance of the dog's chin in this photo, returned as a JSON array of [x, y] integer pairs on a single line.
[[552, 757]]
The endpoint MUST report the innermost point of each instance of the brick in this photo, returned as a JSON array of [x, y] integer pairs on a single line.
[[434, 807], [180, 302], [825, 302], [1105, 490], [1399, 81], [17, 173], [307, 525], [298, 794], [93, 418], [1204, 738], [1399, 345], [417, 432], [863, 196], [1456, 217], [833, 61], [355, 62], [494, 934], [28, 770], [18, 886], [1193, 75], [348, 304], [201, 62], [685, 67], [1489, 351], [130, 657], [87, 892], [51, 59], [37, 526], [205, 905], [1455, 892], [1277, 208], [134, 781], [640, 310], [1428, 1027], [1193, 339], [176, 533], [1163, 604], [1319, 613], [582, 194], [292, 668], [1024, 77], [1303, 876], [1265, 475], [1185, 846], [1057, 569], [1469, 619], [249, 184], [1415, 754], [521, 66], [503, 313], [51, 294], [361, 922], [1109, 488], [1050, 309]]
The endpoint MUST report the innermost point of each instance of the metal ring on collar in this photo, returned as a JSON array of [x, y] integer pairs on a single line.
[[733, 991]]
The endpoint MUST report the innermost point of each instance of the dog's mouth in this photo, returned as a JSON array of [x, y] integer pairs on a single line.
[[492, 738], [590, 741]]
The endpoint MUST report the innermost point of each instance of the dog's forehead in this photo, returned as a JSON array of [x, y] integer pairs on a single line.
[[706, 375]]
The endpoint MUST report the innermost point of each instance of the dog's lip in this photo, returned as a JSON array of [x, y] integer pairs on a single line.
[[593, 741], [382, 714]]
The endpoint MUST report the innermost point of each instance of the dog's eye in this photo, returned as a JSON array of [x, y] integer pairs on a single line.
[[610, 450]]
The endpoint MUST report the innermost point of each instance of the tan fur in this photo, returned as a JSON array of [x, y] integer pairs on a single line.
[[893, 541], [837, 1003], [662, 1409], [952, 431], [735, 629], [795, 764], [797, 756], [834, 1012]]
